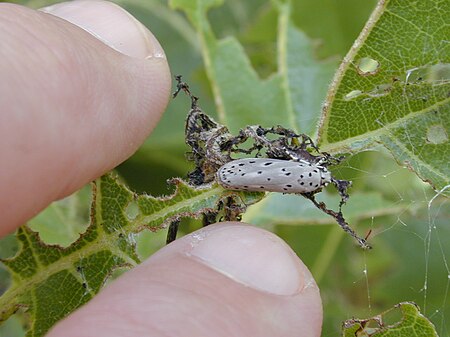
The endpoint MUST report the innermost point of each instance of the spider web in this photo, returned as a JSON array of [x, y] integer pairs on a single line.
[[409, 261]]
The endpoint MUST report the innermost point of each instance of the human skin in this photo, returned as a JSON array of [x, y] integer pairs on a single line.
[[82, 85]]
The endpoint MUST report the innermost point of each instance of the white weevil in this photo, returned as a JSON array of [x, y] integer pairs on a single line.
[[285, 176], [273, 175], [296, 171]]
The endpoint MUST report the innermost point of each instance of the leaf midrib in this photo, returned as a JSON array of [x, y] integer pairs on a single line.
[[344, 145], [179, 205]]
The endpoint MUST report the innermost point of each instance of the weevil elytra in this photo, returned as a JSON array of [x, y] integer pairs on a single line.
[[273, 175]]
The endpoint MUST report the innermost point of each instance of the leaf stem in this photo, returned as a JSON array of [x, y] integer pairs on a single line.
[[327, 253]]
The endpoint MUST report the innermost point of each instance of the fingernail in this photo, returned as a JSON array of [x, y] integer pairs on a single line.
[[251, 256], [112, 25]]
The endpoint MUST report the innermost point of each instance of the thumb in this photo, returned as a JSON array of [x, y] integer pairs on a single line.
[[77, 98], [227, 279]]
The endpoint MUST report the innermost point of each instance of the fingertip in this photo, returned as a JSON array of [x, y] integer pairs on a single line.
[[115, 27], [250, 255], [260, 260], [161, 294], [73, 107]]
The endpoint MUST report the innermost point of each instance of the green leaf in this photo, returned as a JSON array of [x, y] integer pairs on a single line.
[[305, 80], [412, 323], [50, 281], [393, 88]]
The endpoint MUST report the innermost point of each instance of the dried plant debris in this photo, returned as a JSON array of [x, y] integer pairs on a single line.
[[280, 160], [404, 319]]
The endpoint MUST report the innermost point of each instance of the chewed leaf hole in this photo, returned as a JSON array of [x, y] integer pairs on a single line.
[[352, 95], [367, 66], [132, 210], [435, 74], [380, 90], [71, 211], [436, 134], [439, 73]]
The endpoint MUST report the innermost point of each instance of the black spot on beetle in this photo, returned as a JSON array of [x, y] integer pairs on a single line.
[[288, 185], [268, 163], [259, 172], [310, 184], [261, 187], [241, 164], [287, 174], [316, 185], [245, 186], [302, 183], [316, 171], [285, 189], [268, 179], [310, 174], [243, 174], [283, 170], [301, 176], [252, 161]]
